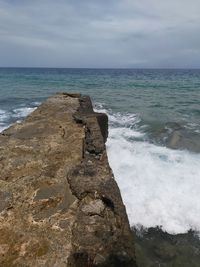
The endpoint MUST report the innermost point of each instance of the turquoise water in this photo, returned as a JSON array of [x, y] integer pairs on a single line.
[[158, 96], [149, 110]]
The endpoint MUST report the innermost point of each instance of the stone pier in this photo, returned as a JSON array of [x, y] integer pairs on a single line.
[[59, 202]]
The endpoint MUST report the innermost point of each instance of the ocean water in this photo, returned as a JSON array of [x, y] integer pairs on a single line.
[[154, 133]]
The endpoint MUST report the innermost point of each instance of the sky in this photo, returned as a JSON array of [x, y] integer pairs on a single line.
[[100, 33]]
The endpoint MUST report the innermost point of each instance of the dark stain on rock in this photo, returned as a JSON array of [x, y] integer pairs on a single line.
[[51, 199], [64, 224], [39, 249], [5, 200], [108, 203]]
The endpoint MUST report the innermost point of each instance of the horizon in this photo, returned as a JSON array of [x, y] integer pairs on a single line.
[[100, 68]]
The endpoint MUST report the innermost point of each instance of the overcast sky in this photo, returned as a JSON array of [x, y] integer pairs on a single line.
[[100, 33]]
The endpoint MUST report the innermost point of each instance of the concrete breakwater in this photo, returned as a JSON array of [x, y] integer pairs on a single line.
[[59, 202]]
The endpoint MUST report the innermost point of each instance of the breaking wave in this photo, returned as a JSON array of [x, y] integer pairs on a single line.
[[159, 186], [7, 117]]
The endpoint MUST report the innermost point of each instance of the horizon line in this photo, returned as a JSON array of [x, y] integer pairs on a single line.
[[104, 68]]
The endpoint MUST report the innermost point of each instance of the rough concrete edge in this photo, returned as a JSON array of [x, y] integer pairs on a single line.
[[83, 259]]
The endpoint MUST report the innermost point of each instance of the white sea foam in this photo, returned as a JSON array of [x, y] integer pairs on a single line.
[[159, 186], [2, 127], [3, 115], [6, 117], [36, 103], [23, 112]]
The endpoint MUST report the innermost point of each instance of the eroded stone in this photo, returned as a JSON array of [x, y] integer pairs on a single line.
[[59, 202], [5, 200]]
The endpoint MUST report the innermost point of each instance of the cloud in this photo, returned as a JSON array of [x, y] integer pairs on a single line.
[[93, 33]]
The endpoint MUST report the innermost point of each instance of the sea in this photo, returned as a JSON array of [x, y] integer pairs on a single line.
[[154, 133]]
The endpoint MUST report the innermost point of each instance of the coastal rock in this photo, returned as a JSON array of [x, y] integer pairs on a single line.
[[156, 248], [176, 136], [184, 139], [59, 202]]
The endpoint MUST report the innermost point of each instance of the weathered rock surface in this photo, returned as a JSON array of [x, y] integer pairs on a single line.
[[59, 202]]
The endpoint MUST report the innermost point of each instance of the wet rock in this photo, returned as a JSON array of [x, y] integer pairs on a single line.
[[102, 119], [165, 251], [156, 248], [184, 139], [176, 136]]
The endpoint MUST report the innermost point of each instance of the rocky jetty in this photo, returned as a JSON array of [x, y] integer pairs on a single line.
[[59, 203]]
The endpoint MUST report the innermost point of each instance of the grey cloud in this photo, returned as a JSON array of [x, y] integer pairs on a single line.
[[93, 33]]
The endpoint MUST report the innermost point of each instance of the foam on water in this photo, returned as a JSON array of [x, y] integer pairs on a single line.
[[7, 117], [2, 128], [23, 112], [159, 186], [3, 115]]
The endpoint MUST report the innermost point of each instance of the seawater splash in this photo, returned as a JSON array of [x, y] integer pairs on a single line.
[[22, 112], [3, 117], [8, 117], [159, 186]]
